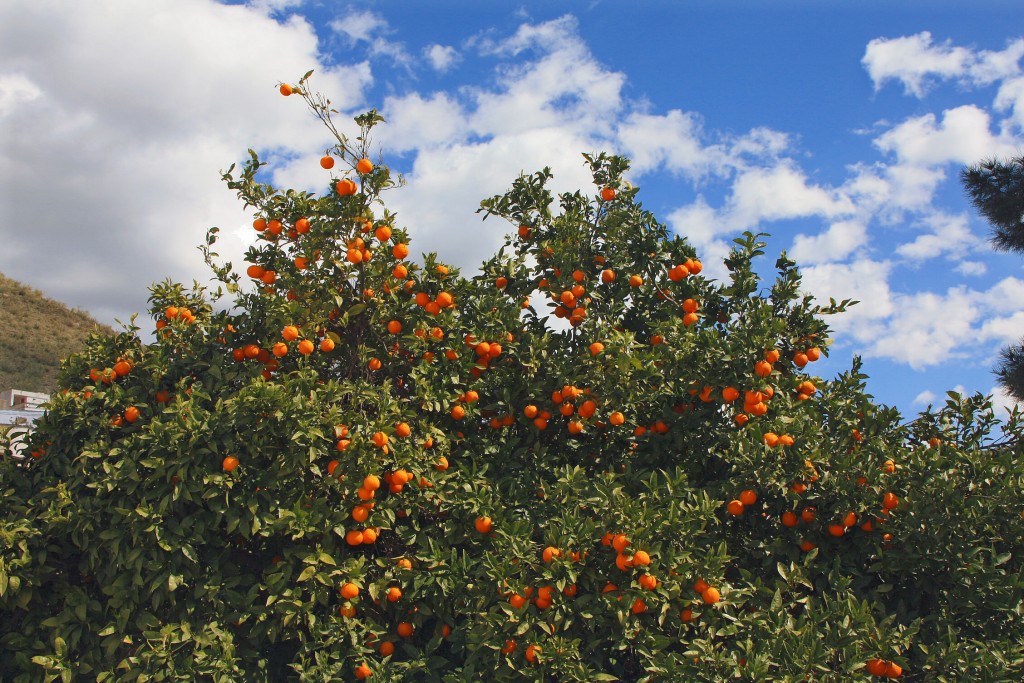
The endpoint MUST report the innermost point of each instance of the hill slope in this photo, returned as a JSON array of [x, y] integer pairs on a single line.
[[37, 333]]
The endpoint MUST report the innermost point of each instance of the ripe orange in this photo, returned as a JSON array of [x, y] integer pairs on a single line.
[[394, 327], [363, 671], [836, 530], [305, 347], [889, 500], [596, 348], [327, 162], [635, 280], [349, 591], [531, 653], [648, 581], [607, 275], [607, 193], [641, 558], [458, 412], [131, 414], [229, 463], [789, 519], [394, 594], [364, 166], [400, 251], [762, 368], [710, 596], [876, 667], [405, 629], [483, 524], [346, 187], [387, 648], [326, 344], [735, 508], [748, 497], [286, 89], [639, 606]]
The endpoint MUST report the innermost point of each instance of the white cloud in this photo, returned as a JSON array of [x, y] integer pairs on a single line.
[[863, 280], [924, 398], [919, 328], [949, 235], [441, 57], [781, 192], [671, 141], [1011, 97], [962, 137], [146, 136], [16, 89], [360, 26], [835, 244], [417, 123], [917, 63], [972, 268], [1002, 402]]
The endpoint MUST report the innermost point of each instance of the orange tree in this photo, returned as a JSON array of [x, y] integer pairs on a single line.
[[586, 462]]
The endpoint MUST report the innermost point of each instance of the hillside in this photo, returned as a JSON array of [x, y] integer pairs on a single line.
[[37, 333]]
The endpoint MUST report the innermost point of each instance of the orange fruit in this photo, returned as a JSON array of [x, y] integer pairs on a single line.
[[735, 508], [789, 519], [710, 596], [286, 89], [327, 162], [349, 591], [620, 542], [405, 629], [394, 327], [607, 193], [596, 348], [648, 581], [229, 463], [635, 280], [131, 414], [641, 558], [876, 667], [762, 368], [363, 671], [394, 594], [326, 344], [346, 187], [400, 251], [305, 347], [387, 648], [531, 653], [607, 275], [483, 524], [364, 166]]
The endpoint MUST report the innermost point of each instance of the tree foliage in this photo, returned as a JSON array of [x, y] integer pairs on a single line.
[[996, 188], [585, 462]]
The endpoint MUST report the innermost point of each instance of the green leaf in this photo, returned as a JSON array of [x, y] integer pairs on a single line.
[[307, 573]]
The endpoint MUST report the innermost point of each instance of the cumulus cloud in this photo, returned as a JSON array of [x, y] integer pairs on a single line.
[[840, 240], [918, 63], [133, 142], [925, 398], [948, 234], [671, 141], [441, 57], [781, 192], [963, 136]]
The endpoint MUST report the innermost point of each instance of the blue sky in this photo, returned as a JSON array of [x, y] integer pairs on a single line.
[[838, 127]]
